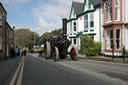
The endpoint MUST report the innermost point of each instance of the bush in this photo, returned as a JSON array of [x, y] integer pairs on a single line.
[[89, 47]]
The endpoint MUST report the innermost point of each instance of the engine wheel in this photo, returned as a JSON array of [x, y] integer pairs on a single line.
[[56, 54], [47, 50], [74, 54]]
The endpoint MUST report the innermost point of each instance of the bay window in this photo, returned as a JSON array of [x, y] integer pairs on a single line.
[[118, 40], [75, 26], [70, 27], [91, 19], [117, 9], [0, 18], [108, 10], [109, 39], [0, 42], [86, 21]]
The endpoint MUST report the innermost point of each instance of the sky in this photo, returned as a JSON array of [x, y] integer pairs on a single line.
[[38, 15]]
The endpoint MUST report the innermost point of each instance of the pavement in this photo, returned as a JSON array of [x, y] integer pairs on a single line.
[[7, 67], [103, 58]]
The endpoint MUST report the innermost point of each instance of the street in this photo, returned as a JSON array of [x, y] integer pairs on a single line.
[[38, 71]]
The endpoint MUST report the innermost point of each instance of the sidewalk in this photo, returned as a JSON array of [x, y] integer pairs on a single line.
[[103, 58], [6, 67]]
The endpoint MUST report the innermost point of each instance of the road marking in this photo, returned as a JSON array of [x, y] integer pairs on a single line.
[[12, 82], [19, 81]]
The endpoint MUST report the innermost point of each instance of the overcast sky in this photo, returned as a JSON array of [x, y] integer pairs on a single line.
[[38, 15]]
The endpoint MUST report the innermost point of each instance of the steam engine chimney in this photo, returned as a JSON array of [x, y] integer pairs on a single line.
[[64, 27]]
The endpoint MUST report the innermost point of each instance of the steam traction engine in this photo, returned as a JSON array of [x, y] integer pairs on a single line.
[[59, 47]]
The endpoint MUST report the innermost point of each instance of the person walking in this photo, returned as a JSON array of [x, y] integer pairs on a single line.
[[16, 51]]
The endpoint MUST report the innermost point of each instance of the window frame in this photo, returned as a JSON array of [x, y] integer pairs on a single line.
[[74, 26], [91, 20], [109, 39], [118, 39], [108, 9], [117, 8], [86, 25]]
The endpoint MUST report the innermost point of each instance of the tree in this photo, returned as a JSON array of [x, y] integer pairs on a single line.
[[25, 38], [52, 33], [89, 47]]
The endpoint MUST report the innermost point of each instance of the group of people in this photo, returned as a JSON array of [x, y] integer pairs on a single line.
[[18, 52]]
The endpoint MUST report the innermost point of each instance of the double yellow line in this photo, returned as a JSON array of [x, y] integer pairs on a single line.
[[17, 77]]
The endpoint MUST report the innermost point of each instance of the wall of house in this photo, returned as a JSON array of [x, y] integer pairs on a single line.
[[2, 32], [81, 23], [96, 25], [125, 38], [126, 10]]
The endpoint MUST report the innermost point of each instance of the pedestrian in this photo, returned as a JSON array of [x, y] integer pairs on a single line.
[[16, 51]]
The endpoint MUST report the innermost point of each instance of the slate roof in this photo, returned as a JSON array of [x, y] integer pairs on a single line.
[[77, 7], [96, 2]]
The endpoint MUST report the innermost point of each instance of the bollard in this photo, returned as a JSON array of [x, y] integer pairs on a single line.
[[123, 54], [113, 53]]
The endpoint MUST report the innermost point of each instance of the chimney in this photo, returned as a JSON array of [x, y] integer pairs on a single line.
[[64, 27]]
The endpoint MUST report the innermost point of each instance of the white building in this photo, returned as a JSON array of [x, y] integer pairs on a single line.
[[72, 25], [88, 21]]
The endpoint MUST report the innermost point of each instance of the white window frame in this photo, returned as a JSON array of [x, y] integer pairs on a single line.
[[91, 19], [109, 39], [1, 42], [74, 24], [118, 39], [108, 10], [86, 21], [71, 27], [117, 8]]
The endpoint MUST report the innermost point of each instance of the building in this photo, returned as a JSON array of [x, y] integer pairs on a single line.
[[115, 26], [6, 34], [72, 25], [85, 19]]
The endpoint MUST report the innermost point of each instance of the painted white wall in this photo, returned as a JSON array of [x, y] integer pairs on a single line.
[[96, 25], [80, 24]]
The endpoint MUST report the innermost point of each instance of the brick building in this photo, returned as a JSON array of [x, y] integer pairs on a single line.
[[6, 34]]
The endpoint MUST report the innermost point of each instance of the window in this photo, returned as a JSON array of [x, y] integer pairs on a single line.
[[74, 26], [89, 4], [74, 41], [86, 21], [118, 41], [0, 42], [109, 39], [108, 10], [70, 27], [0, 18], [91, 20], [117, 9]]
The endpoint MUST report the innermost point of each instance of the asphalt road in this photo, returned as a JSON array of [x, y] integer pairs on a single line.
[[38, 71]]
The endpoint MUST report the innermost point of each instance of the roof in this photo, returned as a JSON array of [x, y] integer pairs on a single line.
[[9, 26], [77, 7], [96, 2], [3, 7]]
